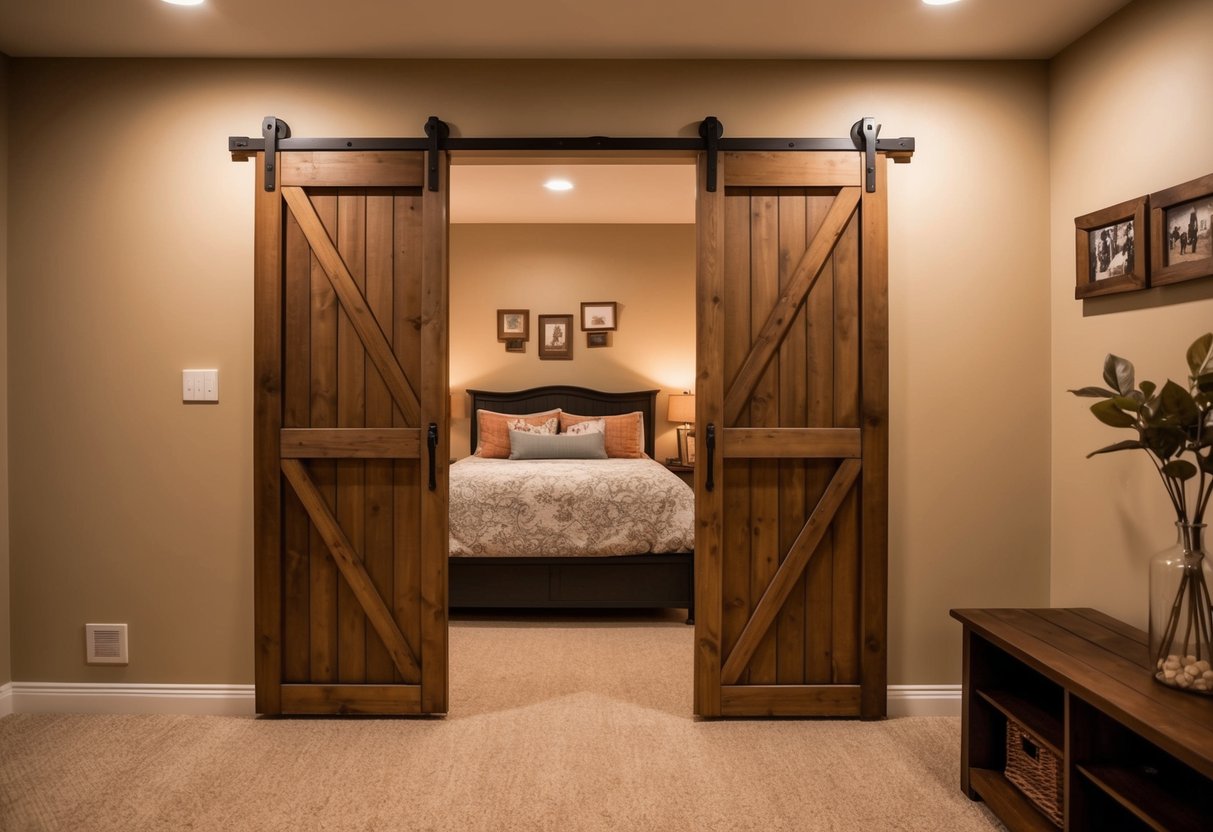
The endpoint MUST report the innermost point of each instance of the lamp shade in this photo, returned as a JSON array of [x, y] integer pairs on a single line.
[[681, 408]]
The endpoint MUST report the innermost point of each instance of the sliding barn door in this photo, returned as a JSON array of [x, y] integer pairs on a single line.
[[792, 398], [351, 441]]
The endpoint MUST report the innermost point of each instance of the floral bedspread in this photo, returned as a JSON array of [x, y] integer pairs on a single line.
[[569, 507]]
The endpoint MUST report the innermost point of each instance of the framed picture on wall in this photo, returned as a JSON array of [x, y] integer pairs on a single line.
[[513, 324], [1181, 232], [515, 345], [555, 337], [599, 316], [598, 339], [1111, 250]]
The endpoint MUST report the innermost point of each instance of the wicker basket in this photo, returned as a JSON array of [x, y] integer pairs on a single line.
[[1035, 770]]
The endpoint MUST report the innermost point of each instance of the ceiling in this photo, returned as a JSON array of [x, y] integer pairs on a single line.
[[757, 29], [862, 29]]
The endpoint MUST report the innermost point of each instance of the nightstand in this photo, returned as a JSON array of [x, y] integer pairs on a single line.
[[685, 472]]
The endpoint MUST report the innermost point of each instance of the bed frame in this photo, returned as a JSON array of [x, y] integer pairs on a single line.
[[561, 582]]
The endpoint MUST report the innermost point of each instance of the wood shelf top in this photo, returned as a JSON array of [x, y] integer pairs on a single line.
[[1104, 662]]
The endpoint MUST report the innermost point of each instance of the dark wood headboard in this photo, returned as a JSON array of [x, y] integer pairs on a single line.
[[579, 400]]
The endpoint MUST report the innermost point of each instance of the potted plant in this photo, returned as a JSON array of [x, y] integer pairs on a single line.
[[1174, 427]]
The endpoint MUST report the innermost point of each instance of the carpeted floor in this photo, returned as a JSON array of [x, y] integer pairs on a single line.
[[561, 725]]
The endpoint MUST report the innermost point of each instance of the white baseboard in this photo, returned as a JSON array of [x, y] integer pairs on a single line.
[[924, 700], [237, 700], [86, 698]]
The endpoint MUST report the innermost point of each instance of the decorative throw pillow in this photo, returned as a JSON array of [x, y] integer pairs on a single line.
[[523, 426], [624, 433], [591, 426], [525, 445], [493, 430]]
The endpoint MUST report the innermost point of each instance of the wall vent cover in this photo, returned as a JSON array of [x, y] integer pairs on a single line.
[[105, 644]]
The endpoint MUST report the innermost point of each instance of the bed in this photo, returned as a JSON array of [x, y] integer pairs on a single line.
[[601, 564]]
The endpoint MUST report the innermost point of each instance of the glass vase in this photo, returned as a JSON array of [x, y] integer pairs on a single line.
[[1181, 613]]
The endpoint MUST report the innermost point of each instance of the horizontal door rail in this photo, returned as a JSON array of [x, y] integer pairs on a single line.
[[792, 443], [350, 443]]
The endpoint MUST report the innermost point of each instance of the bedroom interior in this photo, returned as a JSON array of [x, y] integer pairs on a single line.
[[104, 468]]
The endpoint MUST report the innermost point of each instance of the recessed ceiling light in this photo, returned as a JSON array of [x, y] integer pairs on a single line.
[[940, 2], [184, 2], [558, 185]]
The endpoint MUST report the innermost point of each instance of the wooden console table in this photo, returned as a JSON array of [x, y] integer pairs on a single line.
[[1135, 755]]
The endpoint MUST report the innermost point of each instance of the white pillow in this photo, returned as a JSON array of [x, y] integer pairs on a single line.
[[581, 428]]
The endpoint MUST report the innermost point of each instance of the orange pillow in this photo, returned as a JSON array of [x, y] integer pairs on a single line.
[[493, 430], [624, 433]]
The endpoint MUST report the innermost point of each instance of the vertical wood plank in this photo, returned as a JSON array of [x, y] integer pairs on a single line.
[[351, 413], [296, 413], [323, 361], [737, 537], [819, 383], [709, 409], [406, 343], [267, 422], [793, 405], [874, 355], [764, 473], [435, 403], [846, 529], [378, 505]]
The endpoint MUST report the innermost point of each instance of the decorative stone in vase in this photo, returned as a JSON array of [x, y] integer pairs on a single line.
[[1181, 613]]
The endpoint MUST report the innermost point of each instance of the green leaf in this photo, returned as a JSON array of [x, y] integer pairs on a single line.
[[1179, 469], [1093, 392], [1130, 403], [1178, 406], [1128, 444], [1198, 353], [1118, 373], [1148, 388], [1108, 413]]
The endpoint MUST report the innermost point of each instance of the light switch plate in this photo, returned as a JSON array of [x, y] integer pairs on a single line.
[[199, 385]]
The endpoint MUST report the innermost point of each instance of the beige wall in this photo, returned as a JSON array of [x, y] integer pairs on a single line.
[[131, 259], [1129, 115], [5, 630], [550, 269]]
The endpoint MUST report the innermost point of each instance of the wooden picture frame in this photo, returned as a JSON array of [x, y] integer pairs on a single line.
[[555, 337], [515, 345], [599, 316], [686, 446], [1110, 249], [513, 324], [598, 339], [1181, 232]]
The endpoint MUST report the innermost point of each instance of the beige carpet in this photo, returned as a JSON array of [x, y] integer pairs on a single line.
[[561, 725]]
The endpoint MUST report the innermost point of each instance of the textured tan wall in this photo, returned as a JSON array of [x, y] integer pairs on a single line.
[[5, 629], [550, 269], [131, 259], [1129, 115]]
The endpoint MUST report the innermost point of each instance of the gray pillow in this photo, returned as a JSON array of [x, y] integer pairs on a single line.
[[557, 446]]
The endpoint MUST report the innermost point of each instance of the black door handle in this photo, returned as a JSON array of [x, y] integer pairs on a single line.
[[710, 483], [431, 439]]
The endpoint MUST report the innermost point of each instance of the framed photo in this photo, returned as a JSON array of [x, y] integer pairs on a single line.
[[1111, 250], [686, 446], [513, 324], [555, 336], [1181, 232], [598, 339], [599, 316], [515, 345]]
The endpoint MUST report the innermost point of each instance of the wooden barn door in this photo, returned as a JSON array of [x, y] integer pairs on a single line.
[[792, 392], [351, 440]]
